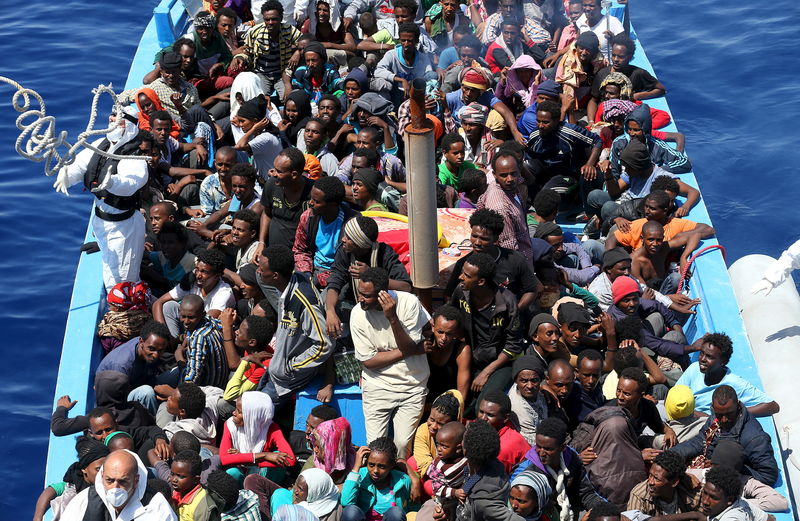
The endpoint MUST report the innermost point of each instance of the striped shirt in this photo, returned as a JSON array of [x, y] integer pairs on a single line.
[[261, 48], [531, 30], [561, 151], [205, 356]]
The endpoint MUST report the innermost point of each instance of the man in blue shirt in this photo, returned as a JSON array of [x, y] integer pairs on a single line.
[[138, 360], [563, 155], [711, 371]]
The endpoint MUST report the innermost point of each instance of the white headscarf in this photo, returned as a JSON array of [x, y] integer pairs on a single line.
[[323, 496], [257, 412], [249, 85], [129, 132]]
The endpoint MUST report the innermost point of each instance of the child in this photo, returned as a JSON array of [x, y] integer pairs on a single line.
[[252, 439], [127, 313], [187, 405], [446, 408], [188, 494], [448, 469], [173, 262], [374, 490], [471, 185], [453, 164]]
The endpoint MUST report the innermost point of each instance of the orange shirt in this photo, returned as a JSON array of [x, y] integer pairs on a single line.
[[633, 238]]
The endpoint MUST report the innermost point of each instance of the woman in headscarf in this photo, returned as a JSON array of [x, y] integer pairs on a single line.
[[333, 450], [147, 102], [317, 77], [251, 441], [366, 182], [355, 84], [128, 310], [296, 113], [315, 491], [518, 86], [530, 497], [79, 475], [617, 86]]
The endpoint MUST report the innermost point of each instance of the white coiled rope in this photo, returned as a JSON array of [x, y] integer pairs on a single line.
[[38, 140]]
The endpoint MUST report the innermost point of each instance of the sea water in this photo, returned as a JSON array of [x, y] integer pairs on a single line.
[[730, 69]]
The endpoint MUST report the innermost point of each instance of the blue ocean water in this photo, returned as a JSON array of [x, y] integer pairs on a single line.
[[731, 74]]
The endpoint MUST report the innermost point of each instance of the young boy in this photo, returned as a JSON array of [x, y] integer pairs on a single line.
[[471, 185], [453, 164], [450, 466], [171, 264], [185, 410], [189, 495]]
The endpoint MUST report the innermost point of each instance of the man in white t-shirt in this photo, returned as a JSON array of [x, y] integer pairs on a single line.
[[387, 334], [208, 284], [593, 20]]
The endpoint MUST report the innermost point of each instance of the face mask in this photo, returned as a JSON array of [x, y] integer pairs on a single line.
[[115, 135], [116, 497]]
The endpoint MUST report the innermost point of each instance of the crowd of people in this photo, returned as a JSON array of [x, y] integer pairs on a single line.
[[550, 380]]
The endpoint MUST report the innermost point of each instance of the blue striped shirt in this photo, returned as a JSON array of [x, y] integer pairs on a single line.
[[205, 355]]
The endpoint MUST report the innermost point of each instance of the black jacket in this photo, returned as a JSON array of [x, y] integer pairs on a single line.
[[759, 457]]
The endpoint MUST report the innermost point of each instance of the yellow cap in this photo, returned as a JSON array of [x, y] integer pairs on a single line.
[[679, 402]]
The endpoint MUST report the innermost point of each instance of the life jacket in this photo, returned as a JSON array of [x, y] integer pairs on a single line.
[[100, 166]]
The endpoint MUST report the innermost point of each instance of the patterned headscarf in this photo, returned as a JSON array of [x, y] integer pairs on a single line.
[[541, 487], [474, 113], [333, 438], [614, 108], [205, 21], [128, 295], [621, 81], [475, 78]]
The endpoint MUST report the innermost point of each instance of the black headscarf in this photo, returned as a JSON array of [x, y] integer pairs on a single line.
[[89, 450], [303, 103]]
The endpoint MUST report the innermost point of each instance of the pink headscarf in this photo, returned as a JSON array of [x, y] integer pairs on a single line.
[[333, 438], [514, 84]]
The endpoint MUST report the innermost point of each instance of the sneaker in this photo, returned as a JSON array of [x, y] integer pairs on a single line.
[[581, 218], [592, 228]]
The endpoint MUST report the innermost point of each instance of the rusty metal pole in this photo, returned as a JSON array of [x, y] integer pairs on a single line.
[[421, 174]]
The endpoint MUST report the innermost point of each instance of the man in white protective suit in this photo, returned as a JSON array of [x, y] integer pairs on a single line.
[[118, 225], [120, 493], [777, 272]]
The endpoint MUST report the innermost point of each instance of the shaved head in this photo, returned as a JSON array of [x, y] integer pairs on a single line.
[[121, 470], [192, 302]]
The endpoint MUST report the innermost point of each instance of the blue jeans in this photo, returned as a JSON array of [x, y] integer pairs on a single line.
[[353, 513]]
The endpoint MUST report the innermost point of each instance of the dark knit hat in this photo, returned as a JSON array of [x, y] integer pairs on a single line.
[[588, 40], [613, 256], [529, 362], [636, 156]]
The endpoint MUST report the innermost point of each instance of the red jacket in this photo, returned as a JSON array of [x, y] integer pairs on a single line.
[[513, 446], [660, 117]]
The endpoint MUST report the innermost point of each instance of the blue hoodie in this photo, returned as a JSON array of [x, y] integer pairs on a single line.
[[661, 154]]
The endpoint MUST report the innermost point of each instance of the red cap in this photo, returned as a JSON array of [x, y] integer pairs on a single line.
[[622, 287]]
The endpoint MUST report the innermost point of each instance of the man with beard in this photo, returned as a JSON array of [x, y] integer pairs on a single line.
[[118, 225], [317, 77], [285, 197]]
